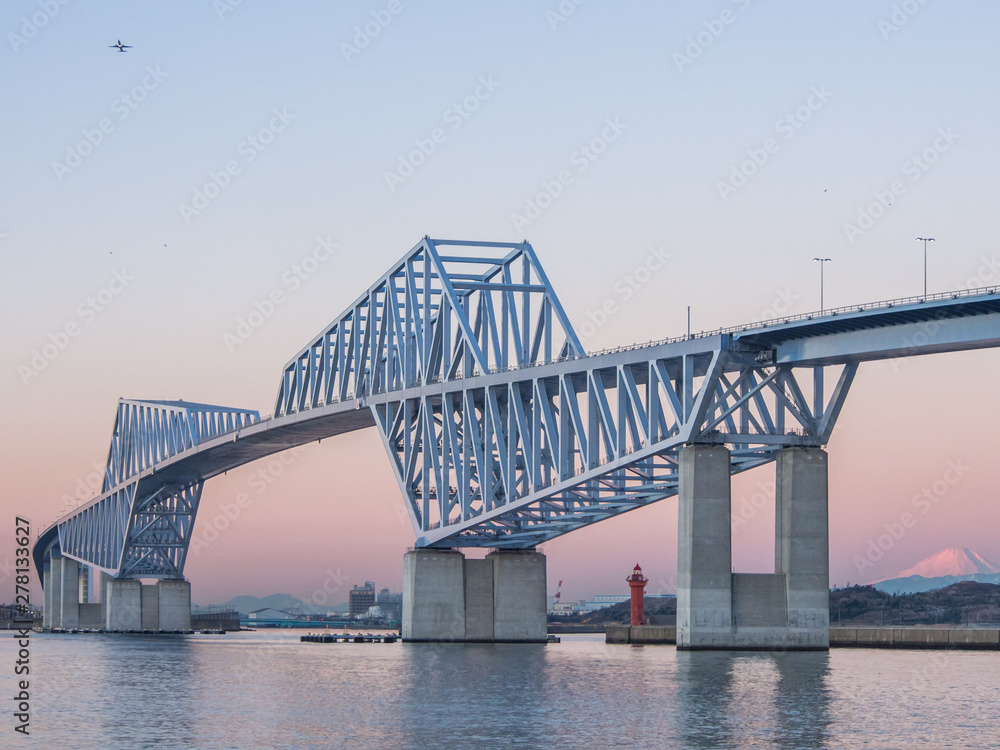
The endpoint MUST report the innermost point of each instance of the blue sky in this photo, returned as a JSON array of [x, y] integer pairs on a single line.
[[871, 94]]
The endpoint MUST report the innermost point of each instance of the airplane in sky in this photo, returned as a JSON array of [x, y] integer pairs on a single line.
[[120, 47]]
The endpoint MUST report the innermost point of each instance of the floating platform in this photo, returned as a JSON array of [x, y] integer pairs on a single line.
[[349, 638], [102, 631]]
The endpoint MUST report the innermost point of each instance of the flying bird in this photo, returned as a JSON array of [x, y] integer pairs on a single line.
[[120, 47]]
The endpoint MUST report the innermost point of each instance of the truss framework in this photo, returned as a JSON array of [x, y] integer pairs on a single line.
[[138, 526], [433, 317], [517, 462], [501, 430]]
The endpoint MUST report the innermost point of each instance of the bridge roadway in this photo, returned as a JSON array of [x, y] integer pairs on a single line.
[[516, 487], [942, 323]]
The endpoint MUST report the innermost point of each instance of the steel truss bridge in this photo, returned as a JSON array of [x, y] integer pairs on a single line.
[[502, 431]]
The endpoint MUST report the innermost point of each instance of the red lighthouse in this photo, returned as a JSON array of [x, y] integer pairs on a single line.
[[637, 582]]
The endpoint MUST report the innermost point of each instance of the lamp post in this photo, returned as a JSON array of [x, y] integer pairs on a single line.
[[822, 262], [925, 240]]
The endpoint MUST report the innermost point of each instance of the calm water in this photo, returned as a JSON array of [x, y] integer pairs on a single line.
[[267, 690]]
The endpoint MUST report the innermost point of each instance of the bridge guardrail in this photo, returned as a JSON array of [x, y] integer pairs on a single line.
[[763, 324]]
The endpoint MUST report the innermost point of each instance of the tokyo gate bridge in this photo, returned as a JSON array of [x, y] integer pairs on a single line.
[[503, 432]]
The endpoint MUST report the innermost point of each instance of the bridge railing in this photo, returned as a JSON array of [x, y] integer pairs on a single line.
[[769, 322], [742, 328]]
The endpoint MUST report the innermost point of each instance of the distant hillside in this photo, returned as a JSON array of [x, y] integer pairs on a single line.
[[964, 603], [918, 584], [967, 602], [659, 607], [247, 604]]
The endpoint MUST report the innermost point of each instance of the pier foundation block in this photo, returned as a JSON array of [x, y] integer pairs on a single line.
[[123, 604], [174, 603], [719, 609], [499, 599]]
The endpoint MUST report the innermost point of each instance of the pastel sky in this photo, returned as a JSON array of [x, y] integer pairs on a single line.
[[150, 199]]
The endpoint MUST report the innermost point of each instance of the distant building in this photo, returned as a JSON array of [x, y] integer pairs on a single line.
[[600, 601], [361, 598], [391, 604]]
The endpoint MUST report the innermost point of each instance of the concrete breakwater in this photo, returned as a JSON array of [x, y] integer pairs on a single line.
[[941, 638]]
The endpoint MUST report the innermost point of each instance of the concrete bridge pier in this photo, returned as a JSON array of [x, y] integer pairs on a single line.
[[719, 609], [61, 579], [498, 599], [130, 605]]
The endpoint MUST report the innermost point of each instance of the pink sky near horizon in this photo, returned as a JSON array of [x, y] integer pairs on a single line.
[[333, 513]]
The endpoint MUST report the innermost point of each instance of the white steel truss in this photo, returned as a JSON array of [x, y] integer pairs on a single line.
[[501, 431], [535, 454], [433, 317], [139, 527]]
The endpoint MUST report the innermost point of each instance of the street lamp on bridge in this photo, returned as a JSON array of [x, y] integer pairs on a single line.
[[925, 240], [822, 262]]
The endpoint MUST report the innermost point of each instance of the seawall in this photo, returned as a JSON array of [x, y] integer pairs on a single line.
[[987, 639]]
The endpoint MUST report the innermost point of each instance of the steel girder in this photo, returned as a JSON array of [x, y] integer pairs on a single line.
[[519, 458], [500, 430], [139, 527], [433, 317]]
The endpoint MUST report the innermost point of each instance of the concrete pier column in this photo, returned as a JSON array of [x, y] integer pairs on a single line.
[[69, 594], [433, 595], [46, 593], [704, 549], [54, 598], [102, 594], [479, 605], [802, 543], [519, 602], [499, 599], [47, 607], [123, 602], [150, 605], [174, 602]]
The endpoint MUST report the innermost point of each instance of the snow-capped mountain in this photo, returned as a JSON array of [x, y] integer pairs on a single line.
[[942, 569], [956, 561]]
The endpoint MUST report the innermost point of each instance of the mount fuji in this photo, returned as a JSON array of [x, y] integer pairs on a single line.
[[942, 569]]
